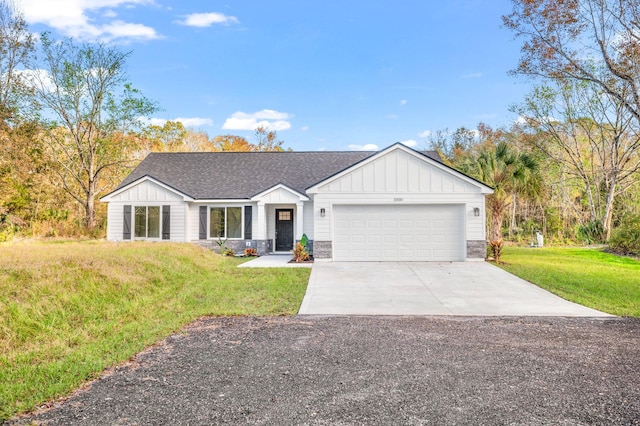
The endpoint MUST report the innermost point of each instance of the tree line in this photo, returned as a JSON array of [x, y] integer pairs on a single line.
[[72, 126], [71, 129]]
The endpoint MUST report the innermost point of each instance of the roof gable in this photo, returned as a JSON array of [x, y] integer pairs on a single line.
[[280, 194], [399, 169], [146, 188]]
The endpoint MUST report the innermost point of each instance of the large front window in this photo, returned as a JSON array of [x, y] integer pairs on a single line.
[[225, 222], [147, 222]]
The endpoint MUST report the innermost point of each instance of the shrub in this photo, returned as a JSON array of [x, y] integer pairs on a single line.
[[496, 249], [591, 232], [625, 239], [300, 253]]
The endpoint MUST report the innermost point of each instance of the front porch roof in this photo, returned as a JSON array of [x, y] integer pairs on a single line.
[[280, 193]]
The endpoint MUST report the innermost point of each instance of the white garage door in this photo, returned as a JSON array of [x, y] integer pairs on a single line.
[[398, 233]]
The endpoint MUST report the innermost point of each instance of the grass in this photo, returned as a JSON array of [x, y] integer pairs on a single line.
[[69, 310], [590, 277]]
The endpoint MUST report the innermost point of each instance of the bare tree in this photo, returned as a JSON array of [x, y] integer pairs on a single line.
[[569, 39]]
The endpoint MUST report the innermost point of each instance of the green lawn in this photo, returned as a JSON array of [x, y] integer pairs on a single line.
[[69, 310], [589, 277]]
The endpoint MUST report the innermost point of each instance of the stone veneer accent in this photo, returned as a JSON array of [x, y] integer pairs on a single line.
[[322, 249], [476, 249]]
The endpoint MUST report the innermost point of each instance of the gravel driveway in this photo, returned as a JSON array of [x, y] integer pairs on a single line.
[[373, 370]]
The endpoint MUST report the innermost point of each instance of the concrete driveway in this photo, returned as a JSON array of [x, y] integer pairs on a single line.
[[428, 288]]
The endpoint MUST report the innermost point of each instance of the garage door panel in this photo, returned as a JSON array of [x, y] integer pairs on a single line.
[[375, 253], [361, 238], [374, 238], [399, 233], [407, 238]]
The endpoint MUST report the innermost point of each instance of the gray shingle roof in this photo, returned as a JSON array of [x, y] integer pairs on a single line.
[[241, 175]]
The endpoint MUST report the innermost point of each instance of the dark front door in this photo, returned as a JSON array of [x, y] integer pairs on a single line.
[[284, 229]]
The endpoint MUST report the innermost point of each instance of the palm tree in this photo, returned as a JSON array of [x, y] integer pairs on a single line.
[[510, 173]]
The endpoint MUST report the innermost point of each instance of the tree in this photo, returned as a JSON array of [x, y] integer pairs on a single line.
[[592, 134], [197, 141], [21, 164], [166, 138], [94, 108], [267, 140], [232, 143], [453, 147], [16, 52], [566, 40], [509, 172]]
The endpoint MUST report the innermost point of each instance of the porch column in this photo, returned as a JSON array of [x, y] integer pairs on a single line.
[[299, 220], [261, 233]]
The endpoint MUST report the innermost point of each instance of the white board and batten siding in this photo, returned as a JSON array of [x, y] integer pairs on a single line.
[[146, 193], [399, 172], [308, 217]]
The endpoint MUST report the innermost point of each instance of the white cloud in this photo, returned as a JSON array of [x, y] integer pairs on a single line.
[[153, 121], [194, 121], [473, 75], [267, 118], [208, 19], [367, 147], [122, 30], [392, 116], [304, 128], [88, 19], [403, 102], [410, 143], [425, 134], [186, 122]]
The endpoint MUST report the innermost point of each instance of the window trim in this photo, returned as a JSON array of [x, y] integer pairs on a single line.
[[133, 222], [225, 207]]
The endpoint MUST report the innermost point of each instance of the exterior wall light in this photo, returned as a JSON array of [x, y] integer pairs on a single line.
[[322, 211], [476, 211]]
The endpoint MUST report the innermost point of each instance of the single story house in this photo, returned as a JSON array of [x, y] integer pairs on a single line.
[[397, 204]]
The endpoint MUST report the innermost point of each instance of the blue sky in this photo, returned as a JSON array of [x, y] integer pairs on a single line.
[[327, 75]]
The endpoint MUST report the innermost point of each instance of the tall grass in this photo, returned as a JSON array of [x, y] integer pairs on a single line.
[[68, 310]]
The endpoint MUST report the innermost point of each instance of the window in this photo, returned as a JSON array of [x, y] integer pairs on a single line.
[[225, 222], [284, 215], [147, 222]]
